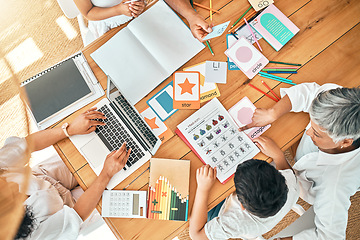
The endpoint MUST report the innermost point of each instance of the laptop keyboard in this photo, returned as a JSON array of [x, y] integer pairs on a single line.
[[137, 120], [113, 134]]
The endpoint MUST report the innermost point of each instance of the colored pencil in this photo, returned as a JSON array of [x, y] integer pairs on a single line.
[[151, 196], [264, 83], [210, 10], [161, 201], [276, 79], [274, 76], [177, 206], [168, 202], [159, 198], [239, 25], [293, 64], [292, 68], [172, 203], [187, 208], [156, 199], [234, 35], [252, 33], [282, 72], [205, 7], [240, 17], [192, 3], [184, 210], [263, 92], [279, 69], [208, 45]]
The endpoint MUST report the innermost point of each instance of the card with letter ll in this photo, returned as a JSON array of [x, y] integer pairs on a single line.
[[186, 90], [246, 57]]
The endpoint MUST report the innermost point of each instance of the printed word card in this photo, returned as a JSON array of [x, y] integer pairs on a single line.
[[186, 90], [242, 113], [162, 102], [217, 31], [246, 57], [216, 71], [159, 128], [208, 90]]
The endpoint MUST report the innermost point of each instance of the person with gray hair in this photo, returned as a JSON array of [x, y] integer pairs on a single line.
[[327, 161]]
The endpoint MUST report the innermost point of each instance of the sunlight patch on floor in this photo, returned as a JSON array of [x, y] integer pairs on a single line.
[[66, 27], [23, 55]]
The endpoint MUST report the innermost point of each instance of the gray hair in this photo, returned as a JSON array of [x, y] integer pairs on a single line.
[[338, 112]]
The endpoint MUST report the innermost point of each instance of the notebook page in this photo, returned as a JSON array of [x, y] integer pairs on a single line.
[[128, 63], [165, 36]]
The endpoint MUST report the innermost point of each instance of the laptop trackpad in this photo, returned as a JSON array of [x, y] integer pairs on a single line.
[[96, 152]]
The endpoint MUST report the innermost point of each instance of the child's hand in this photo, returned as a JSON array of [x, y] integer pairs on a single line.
[[205, 177], [137, 8], [269, 148]]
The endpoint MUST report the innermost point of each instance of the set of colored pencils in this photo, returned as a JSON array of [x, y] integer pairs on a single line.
[[281, 70], [276, 99], [240, 21], [165, 203]]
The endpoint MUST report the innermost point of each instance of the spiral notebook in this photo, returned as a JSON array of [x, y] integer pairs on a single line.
[[61, 90]]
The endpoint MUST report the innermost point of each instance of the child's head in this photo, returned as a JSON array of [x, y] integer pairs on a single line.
[[260, 188]]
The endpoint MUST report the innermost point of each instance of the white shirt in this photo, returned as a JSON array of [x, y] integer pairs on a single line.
[[54, 219], [326, 180], [100, 27], [233, 222]]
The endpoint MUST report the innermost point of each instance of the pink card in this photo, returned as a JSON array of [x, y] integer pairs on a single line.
[[242, 113], [246, 57]]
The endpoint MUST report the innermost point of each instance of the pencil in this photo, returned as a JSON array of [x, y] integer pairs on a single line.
[[282, 72], [252, 33], [151, 195], [264, 83], [168, 203], [162, 198], [207, 43], [241, 17], [279, 69], [241, 23], [296, 68], [210, 10], [279, 80], [205, 7], [192, 3], [273, 76], [293, 64], [187, 208], [234, 35], [172, 204], [156, 200], [263, 92]]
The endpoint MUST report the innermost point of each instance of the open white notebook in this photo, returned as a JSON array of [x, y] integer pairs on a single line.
[[147, 51]]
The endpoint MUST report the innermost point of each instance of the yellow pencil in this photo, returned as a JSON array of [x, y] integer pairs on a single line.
[[163, 199], [168, 202], [166, 199], [210, 11]]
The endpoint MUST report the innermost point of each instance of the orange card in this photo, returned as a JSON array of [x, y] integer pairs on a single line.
[[186, 87], [159, 128]]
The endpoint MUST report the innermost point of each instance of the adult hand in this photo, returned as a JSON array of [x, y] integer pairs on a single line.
[[124, 9], [198, 26], [205, 177], [85, 123], [261, 117], [115, 161], [268, 147], [136, 8]]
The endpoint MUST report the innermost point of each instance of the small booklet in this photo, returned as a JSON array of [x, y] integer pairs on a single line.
[[212, 134], [275, 27], [169, 189]]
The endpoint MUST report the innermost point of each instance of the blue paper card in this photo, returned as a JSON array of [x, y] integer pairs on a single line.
[[162, 102], [217, 30]]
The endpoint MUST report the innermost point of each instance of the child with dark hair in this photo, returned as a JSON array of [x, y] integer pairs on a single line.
[[263, 196]]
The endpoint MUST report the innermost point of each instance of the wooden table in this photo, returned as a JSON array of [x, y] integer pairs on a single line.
[[327, 46]]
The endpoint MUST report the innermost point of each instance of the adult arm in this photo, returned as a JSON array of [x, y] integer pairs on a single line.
[[198, 26], [205, 177], [83, 124], [93, 13], [114, 162]]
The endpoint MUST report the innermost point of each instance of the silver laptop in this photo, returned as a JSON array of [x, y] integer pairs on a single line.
[[123, 124]]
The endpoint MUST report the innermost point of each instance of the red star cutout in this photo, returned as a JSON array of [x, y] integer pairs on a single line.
[[186, 86], [151, 123]]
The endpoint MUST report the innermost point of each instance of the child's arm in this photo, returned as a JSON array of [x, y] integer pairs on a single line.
[[271, 149], [91, 12], [205, 177]]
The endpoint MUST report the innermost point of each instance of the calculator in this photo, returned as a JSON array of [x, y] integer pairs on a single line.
[[124, 204]]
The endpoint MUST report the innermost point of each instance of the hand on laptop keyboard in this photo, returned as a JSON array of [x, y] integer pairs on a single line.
[[115, 161], [86, 122]]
